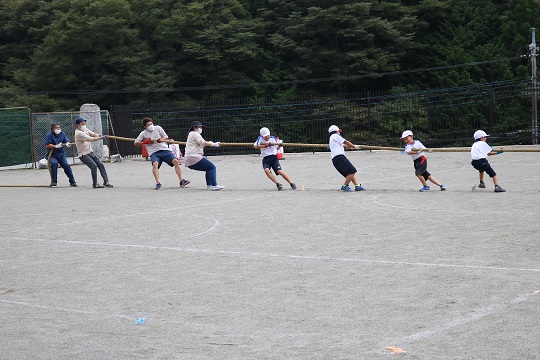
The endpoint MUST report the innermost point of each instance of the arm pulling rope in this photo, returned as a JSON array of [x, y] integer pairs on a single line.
[[358, 147]]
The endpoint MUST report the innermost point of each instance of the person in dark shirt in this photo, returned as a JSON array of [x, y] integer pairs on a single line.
[[55, 141]]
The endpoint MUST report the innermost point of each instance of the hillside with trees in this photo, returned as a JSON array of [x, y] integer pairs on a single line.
[[58, 54]]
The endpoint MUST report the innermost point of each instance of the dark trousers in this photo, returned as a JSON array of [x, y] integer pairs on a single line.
[[206, 165], [93, 162], [61, 159]]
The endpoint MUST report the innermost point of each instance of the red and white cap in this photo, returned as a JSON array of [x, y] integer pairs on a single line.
[[333, 128]]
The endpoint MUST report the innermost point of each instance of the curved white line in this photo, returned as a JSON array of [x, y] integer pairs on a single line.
[[216, 224]]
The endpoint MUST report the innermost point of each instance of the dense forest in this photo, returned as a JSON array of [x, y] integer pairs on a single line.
[[58, 54]]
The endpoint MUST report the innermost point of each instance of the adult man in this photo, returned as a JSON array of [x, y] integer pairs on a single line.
[[83, 138], [155, 139], [55, 140]]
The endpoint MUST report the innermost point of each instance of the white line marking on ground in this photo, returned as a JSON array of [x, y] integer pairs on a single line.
[[153, 211], [470, 317], [375, 199], [284, 256], [56, 308], [216, 224]]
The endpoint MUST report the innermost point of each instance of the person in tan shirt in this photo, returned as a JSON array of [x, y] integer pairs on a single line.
[[83, 138], [194, 157]]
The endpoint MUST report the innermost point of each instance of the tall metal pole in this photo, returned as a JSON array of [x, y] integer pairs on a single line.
[[534, 53]]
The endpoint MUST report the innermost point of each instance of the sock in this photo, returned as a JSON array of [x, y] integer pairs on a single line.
[[356, 185]]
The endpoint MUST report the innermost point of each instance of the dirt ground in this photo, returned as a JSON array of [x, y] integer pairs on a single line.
[[250, 272]]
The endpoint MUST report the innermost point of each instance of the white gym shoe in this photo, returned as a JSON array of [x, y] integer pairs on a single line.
[[215, 188]]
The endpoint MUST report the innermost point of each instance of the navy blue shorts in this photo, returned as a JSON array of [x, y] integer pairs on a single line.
[[483, 165], [271, 162], [343, 165], [162, 156], [420, 167]]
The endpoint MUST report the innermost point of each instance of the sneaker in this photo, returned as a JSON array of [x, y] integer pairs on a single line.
[[158, 186], [53, 184], [359, 188], [346, 188], [184, 182], [97, 186], [293, 186], [107, 185], [482, 185], [279, 186], [499, 189], [73, 184], [215, 187], [443, 187], [425, 188]]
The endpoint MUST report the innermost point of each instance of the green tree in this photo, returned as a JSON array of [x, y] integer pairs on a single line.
[[210, 43], [318, 39], [518, 17]]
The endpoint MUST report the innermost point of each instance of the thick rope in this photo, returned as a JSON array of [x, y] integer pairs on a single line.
[[48, 168], [20, 185], [358, 147]]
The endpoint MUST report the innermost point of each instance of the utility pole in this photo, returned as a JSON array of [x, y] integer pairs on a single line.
[[534, 53]]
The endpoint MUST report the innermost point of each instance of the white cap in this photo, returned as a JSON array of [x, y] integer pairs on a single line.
[[479, 134], [333, 128], [405, 134], [265, 132]]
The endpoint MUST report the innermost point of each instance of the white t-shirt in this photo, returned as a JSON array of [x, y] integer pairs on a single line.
[[156, 134], [480, 150], [415, 145], [336, 145], [271, 150]]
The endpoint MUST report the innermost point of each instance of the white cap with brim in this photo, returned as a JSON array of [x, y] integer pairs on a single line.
[[479, 134], [333, 128], [406, 133], [264, 132]]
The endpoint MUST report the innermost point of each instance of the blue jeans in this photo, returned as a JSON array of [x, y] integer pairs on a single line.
[[206, 165], [62, 160]]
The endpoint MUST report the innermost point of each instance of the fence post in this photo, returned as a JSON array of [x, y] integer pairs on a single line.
[[534, 100]]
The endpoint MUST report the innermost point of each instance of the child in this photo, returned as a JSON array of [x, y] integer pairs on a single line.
[[267, 144], [480, 150], [416, 149], [337, 144]]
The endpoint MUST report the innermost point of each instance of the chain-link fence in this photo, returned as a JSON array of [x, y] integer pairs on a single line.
[[42, 125], [15, 139]]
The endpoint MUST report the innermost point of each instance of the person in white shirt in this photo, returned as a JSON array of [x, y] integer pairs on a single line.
[[337, 145], [156, 140], [194, 157], [83, 138], [415, 149], [268, 146], [480, 150]]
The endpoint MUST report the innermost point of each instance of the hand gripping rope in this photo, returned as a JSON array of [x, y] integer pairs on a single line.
[[32, 185], [322, 146], [357, 147]]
